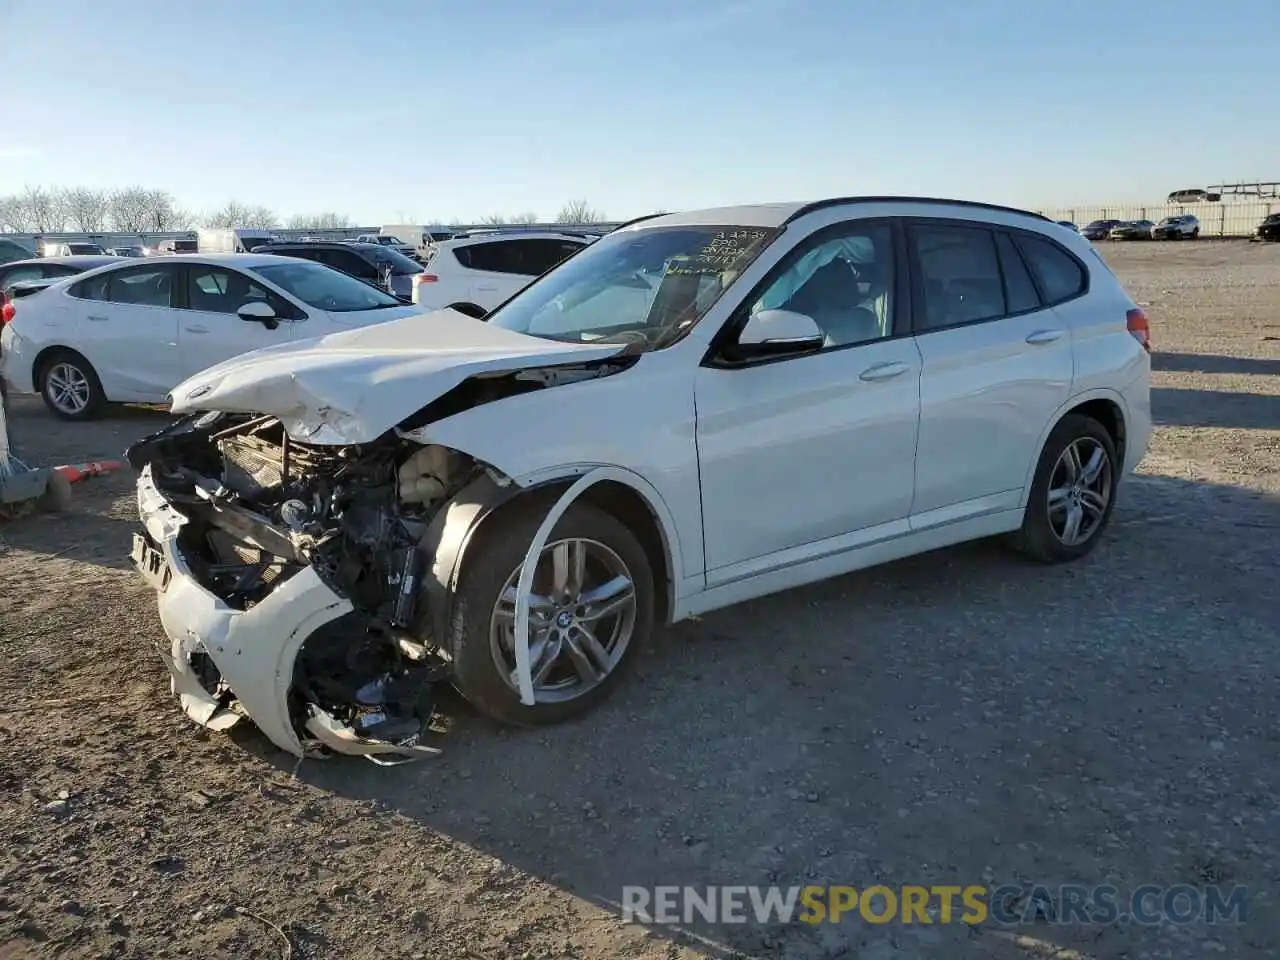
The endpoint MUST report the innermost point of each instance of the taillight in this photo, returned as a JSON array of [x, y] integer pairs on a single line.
[[1135, 321], [7, 311], [424, 278]]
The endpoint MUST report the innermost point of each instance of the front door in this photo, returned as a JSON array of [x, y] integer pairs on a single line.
[[997, 365], [796, 451], [210, 330]]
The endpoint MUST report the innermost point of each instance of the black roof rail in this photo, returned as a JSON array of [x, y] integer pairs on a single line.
[[647, 216], [837, 201]]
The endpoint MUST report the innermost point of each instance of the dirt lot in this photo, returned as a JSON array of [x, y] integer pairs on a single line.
[[961, 717]]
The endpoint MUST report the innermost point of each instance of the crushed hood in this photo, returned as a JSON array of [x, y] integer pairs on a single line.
[[352, 387]]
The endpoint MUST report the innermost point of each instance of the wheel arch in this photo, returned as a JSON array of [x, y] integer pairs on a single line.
[[476, 513], [43, 358], [1108, 407]]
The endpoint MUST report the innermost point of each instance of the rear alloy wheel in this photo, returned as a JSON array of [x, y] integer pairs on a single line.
[[1072, 494], [70, 387], [591, 607]]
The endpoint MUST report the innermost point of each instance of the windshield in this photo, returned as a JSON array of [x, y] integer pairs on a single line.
[[319, 286], [646, 287], [399, 263]]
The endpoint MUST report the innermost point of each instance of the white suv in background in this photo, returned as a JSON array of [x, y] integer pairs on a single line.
[[475, 274]]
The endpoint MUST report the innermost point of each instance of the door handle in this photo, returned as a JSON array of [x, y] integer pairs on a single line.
[[1045, 336], [196, 328], [97, 318], [883, 371]]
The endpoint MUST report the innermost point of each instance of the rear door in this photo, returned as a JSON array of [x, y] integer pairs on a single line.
[[210, 330], [129, 330], [997, 365]]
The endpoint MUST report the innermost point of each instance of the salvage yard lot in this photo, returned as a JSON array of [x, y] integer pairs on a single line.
[[960, 717]]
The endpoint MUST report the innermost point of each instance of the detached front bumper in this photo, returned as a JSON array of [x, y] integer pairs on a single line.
[[253, 650]]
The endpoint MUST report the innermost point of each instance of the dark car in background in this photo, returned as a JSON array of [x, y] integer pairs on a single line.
[[45, 268], [374, 263], [1098, 229], [1181, 227], [1132, 230], [1269, 228]]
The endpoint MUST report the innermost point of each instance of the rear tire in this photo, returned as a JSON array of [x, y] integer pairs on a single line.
[[70, 386], [1057, 496], [488, 574]]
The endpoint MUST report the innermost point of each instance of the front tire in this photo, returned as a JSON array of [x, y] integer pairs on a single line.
[[70, 387], [1073, 492], [592, 608]]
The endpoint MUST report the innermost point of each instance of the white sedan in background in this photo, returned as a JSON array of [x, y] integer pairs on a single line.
[[130, 332]]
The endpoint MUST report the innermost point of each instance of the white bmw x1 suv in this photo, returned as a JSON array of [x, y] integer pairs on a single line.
[[698, 409]]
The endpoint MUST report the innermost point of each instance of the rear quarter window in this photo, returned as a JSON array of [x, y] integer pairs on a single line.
[[1057, 273]]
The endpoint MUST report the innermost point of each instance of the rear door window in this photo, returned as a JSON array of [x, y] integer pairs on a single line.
[[959, 275], [143, 286]]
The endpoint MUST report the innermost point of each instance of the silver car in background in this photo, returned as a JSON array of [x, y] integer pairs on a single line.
[[1181, 227]]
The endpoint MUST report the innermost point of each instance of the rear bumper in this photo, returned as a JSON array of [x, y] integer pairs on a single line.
[[15, 363]]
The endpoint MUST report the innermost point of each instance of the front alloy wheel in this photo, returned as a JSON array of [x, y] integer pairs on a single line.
[[591, 606], [582, 614]]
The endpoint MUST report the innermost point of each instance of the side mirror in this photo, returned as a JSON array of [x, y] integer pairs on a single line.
[[259, 311], [778, 333]]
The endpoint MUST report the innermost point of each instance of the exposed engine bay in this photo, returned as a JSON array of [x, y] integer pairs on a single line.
[[259, 507]]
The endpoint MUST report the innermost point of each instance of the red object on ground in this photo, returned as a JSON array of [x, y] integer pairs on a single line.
[[75, 472]]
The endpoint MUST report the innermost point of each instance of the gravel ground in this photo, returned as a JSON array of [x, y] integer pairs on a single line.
[[960, 717]]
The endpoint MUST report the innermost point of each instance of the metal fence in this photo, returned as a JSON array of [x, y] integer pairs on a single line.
[[1226, 218], [152, 238], [1223, 219]]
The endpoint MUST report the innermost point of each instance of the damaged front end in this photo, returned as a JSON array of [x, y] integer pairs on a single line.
[[290, 579]]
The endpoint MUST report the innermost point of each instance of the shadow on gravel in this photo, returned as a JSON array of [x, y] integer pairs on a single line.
[[1175, 406], [80, 534], [959, 717], [1212, 363]]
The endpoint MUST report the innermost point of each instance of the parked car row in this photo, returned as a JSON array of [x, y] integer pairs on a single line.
[[1178, 227]]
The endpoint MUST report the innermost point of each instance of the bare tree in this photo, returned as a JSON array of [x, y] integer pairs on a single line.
[[13, 215], [44, 210], [262, 218], [241, 216], [163, 214], [86, 209], [579, 211], [526, 217], [495, 219], [130, 209], [320, 221]]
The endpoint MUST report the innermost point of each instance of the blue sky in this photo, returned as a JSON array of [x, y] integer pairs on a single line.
[[449, 110]]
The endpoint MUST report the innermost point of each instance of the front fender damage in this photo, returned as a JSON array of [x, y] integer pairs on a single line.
[[307, 586]]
